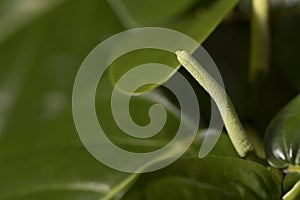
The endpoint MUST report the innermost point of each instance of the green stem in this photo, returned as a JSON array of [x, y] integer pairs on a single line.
[[256, 141], [232, 123], [260, 41], [293, 168], [294, 193]]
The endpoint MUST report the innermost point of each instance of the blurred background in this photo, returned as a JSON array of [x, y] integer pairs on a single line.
[[43, 43]]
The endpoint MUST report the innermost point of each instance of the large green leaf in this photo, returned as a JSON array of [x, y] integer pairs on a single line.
[[195, 19], [16, 14], [135, 13], [56, 165], [213, 177], [42, 44], [41, 156]]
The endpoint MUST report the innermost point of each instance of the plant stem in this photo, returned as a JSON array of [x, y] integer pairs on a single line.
[[260, 41], [293, 168], [232, 123], [294, 193], [256, 141]]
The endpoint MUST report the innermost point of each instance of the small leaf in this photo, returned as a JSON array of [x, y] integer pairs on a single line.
[[282, 143]]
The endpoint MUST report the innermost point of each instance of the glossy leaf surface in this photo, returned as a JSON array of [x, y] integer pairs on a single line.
[[282, 143]]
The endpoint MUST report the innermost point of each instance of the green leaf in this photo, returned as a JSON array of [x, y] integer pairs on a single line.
[[135, 58], [135, 13], [197, 20], [289, 181], [15, 14], [63, 172], [212, 177], [294, 193], [56, 165], [282, 143], [223, 147], [41, 156]]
